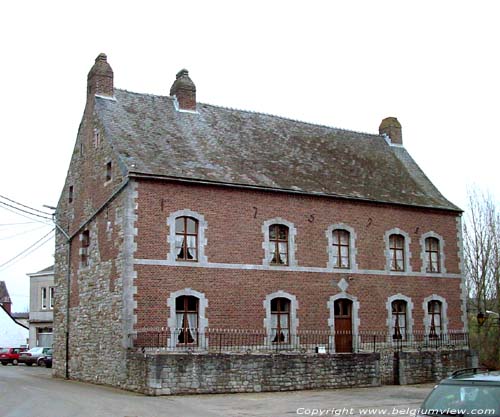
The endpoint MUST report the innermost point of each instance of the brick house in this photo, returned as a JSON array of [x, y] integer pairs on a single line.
[[185, 217]]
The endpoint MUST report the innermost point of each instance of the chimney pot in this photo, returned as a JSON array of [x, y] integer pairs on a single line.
[[391, 127], [100, 77], [184, 90]]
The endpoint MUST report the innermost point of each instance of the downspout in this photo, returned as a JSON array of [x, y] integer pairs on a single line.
[[68, 279]]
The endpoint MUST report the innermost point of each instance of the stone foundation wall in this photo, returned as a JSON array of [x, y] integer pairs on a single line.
[[164, 374], [432, 366]]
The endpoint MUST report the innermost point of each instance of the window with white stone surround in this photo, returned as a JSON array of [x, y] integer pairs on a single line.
[[281, 320], [399, 317], [186, 237], [435, 315], [341, 247], [432, 253], [279, 242], [187, 321], [397, 251]]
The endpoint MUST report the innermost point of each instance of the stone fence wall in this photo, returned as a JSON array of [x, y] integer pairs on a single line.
[[431, 366], [223, 373], [208, 373]]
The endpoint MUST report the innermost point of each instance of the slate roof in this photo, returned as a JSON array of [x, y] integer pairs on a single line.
[[4, 294], [236, 147]]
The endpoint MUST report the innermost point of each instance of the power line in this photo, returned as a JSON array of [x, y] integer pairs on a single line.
[[24, 211], [24, 252], [23, 233], [5, 205], [14, 224], [25, 206]]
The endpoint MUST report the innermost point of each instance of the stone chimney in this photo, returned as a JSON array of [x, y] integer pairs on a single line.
[[392, 128], [100, 78], [184, 90]]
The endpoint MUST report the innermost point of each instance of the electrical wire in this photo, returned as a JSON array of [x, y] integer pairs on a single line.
[[22, 215], [25, 206], [14, 224], [23, 233], [26, 251], [24, 211]]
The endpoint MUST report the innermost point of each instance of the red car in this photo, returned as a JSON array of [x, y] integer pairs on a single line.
[[11, 355]]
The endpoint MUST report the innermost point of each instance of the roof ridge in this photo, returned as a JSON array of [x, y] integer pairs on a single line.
[[359, 132]]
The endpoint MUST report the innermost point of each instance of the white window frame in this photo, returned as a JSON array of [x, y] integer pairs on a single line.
[[444, 313], [292, 247], [202, 320], [388, 254], [353, 266], [423, 253], [51, 297], [44, 298], [294, 321], [409, 315], [202, 240]]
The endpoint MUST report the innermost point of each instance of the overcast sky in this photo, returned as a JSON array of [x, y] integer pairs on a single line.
[[434, 65]]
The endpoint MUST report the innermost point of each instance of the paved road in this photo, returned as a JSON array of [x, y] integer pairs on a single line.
[[32, 392]]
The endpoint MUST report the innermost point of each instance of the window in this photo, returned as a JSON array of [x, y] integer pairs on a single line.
[[84, 251], [187, 318], [399, 322], [341, 248], [432, 254], [278, 244], [280, 320], [109, 171], [186, 313], [186, 239], [44, 298], [97, 138], [70, 194], [397, 252], [51, 297], [434, 309]]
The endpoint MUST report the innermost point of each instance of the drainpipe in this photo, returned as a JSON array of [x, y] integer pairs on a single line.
[[68, 279]]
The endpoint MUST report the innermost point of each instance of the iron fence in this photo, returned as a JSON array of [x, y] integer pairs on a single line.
[[321, 341]]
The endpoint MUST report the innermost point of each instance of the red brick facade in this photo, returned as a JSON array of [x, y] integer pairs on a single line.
[[234, 236]]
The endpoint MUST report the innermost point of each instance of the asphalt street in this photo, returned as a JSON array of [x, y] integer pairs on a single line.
[[32, 392]]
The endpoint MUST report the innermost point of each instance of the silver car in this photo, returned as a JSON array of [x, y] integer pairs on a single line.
[[33, 355]]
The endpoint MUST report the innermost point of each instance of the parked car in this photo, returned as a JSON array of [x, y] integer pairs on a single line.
[[11, 355], [33, 355], [45, 360], [472, 391]]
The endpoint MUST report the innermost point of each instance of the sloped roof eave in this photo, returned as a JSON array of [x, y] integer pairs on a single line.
[[159, 177]]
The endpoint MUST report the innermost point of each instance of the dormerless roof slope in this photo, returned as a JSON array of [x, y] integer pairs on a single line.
[[236, 147]]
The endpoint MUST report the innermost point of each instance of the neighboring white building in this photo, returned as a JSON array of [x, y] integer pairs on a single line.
[[12, 334], [41, 317]]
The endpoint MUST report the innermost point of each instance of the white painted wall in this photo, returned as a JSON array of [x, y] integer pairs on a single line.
[[11, 333]]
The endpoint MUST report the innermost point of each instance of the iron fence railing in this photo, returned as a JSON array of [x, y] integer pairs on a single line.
[[322, 341]]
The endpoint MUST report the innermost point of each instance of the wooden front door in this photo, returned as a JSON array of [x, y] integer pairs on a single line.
[[343, 325]]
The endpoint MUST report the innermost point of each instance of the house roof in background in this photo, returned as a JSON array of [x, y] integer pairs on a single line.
[[47, 271], [2, 308], [4, 293], [226, 146]]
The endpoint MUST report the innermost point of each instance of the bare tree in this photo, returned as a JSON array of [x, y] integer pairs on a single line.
[[482, 267]]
